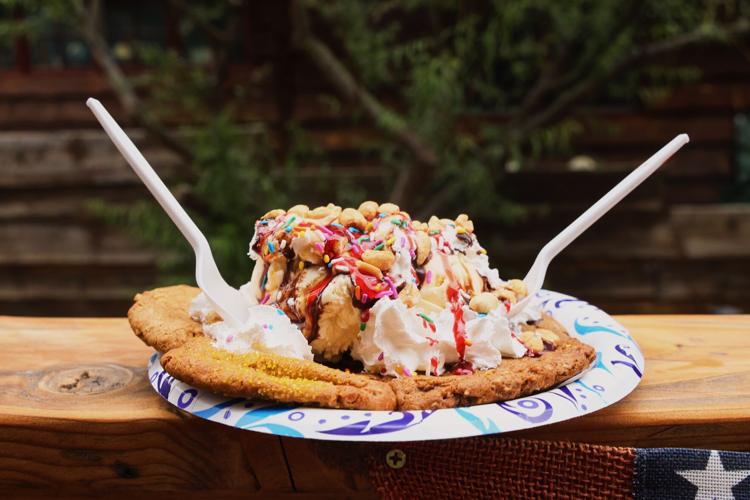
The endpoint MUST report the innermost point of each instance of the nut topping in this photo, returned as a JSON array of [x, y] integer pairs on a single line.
[[300, 210], [351, 217], [276, 271], [369, 209], [424, 247], [272, 214], [382, 259], [366, 268], [518, 287], [483, 302], [532, 341], [388, 208]]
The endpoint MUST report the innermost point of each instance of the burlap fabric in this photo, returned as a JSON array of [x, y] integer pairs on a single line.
[[501, 468]]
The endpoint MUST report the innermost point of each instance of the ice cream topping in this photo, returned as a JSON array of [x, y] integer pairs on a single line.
[[398, 295]]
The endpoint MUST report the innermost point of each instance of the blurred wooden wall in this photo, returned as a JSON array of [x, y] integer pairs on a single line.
[[673, 246]]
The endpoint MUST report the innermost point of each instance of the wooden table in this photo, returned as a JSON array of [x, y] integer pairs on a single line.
[[78, 417]]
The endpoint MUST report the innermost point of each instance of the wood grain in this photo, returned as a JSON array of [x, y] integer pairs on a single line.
[[77, 414]]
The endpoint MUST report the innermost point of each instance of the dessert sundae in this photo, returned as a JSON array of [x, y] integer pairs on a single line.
[[364, 308]]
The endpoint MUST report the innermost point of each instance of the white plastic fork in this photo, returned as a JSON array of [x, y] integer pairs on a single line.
[[228, 301], [535, 277]]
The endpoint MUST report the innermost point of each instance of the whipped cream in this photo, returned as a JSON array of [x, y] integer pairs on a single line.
[[531, 312], [401, 270], [396, 341], [267, 329], [492, 337], [399, 340]]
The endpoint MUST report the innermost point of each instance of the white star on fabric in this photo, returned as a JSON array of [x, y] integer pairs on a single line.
[[714, 482]]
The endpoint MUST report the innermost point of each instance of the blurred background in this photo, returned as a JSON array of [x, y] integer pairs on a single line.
[[520, 114]]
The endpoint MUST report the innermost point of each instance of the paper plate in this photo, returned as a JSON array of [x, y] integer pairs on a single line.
[[615, 373]]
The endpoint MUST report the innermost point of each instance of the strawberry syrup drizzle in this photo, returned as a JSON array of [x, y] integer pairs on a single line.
[[370, 287], [463, 367], [434, 364], [459, 325]]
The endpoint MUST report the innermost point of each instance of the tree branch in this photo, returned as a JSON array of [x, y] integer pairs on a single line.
[[574, 94], [344, 82], [217, 35], [554, 78], [88, 26]]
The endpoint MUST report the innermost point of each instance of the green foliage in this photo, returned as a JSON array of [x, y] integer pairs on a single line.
[[235, 178], [486, 85], [444, 62]]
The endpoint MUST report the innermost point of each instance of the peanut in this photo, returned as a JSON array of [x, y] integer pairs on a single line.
[[463, 221], [518, 287], [339, 246], [366, 268], [319, 212], [276, 271], [382, 259], [483, 302], [351, 217], [212, 317], [434, 224], [324, 215], [424, 247], [388, 208], [369, 209], [300, 210], [504, 294], [272, 214], [532, 341], [547, 335]]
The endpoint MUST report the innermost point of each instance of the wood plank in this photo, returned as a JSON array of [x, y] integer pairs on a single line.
[[72, 158], [713, 231], [71, 306], [40, 257], [684, 232], [714, 96], [64, 238], [646, 128], [44, 83], [123, 437], [315, 468], [695, 160]]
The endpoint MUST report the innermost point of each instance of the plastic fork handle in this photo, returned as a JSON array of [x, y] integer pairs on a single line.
[[149, 177], [601, 207]]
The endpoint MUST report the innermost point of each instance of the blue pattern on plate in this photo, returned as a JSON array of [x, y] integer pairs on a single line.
[[489, 428], [368, 428], [213, 410], [277, 429], [582, 329], [258, 414]]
